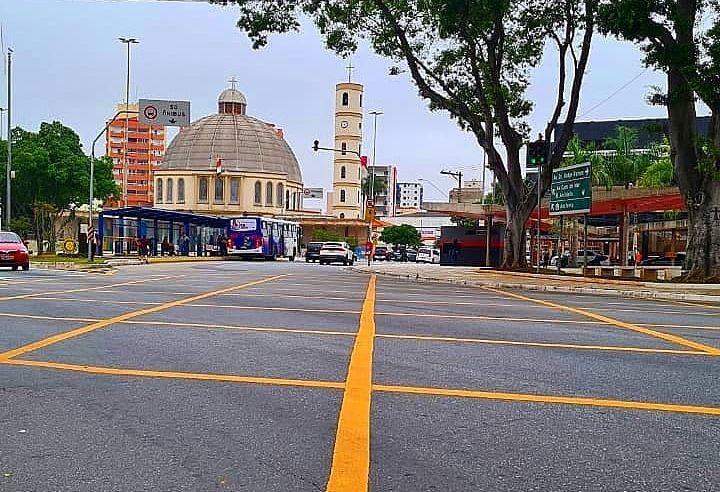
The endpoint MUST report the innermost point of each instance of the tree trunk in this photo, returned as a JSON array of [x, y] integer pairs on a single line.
[[514, 253], [703, 250]]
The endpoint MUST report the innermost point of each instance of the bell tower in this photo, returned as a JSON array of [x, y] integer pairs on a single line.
[[346, 199]]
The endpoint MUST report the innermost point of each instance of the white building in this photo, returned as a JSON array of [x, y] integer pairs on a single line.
[[385, 201], [409, 196]]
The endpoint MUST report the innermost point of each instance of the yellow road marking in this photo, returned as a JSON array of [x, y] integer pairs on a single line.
[[47, 318], [350, 468], [564, 400], [98, 301], [123, 317], [170, 324], [112, 371], [622, 324], [697, 304], [543, 344], [86, 289]]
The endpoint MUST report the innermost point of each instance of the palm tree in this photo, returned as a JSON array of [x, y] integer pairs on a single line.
[[581, 153], [625, 164], [380, 185]]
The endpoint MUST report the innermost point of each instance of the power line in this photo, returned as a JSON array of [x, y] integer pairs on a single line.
[[618, 91]]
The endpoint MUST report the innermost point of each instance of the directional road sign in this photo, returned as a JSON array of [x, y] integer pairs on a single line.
[[165, 113], [571, 190]]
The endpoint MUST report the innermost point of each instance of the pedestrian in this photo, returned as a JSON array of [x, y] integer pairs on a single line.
[[222, 245], [184, 245], [638, 257], [545, 259], [143, 244], [92, 244]]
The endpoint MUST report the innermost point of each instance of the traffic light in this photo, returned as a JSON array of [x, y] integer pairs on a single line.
[[316, 144], [536, 154]]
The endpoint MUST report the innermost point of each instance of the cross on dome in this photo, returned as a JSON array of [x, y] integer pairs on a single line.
[[350, 68], [233, 81]]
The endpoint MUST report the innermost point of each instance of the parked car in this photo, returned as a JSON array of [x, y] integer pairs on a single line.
[[599, 260], [336, 252], [382, 253], [13, 252], [428, 255], [412, 255], [313, 251]]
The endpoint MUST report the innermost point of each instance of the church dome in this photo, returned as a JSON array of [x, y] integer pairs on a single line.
[[243, 143]]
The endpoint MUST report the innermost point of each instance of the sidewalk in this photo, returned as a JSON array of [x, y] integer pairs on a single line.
[[481, 277]]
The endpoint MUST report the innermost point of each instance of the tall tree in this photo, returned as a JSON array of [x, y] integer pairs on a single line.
[[401, 235], [682, 38], [379, 185], [472, 59], [52, 176]]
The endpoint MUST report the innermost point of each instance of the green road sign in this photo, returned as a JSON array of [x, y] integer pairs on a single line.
[[571, 190]]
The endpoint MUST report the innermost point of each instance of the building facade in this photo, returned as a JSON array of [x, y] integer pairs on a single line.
[[385, 201], [345, 200], [145, 146], [230, 163], [409, 196]]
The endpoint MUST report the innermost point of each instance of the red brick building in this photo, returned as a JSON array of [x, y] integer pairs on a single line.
[[145, 145]]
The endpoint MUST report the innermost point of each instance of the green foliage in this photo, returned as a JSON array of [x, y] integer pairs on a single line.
[[21, 226], [658, 175], [325, 235], [581, 153], [466, 223], [379, 184], [625, 164], [401, 235]]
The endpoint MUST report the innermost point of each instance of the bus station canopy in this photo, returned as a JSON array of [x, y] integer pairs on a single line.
[[149, 213]]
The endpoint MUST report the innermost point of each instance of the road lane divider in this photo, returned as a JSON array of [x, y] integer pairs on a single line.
[[616, 322], [86, 289], [60, 337], [563, 400], [350, 469]]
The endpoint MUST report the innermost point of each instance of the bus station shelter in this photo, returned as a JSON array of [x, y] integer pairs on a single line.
[[119, 228]]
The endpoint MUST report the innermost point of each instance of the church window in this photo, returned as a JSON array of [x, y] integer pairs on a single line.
[[159, 191], [203, 189], [343, 147], [361, 100], [345, 99], [343, 172], [219, 190], [342, 196], [258, 193], [269, 194], [358, 173], [280, 195], [287, 199], [235, 190], [169, 191], [294, 201], [181, 190], [342, 216]]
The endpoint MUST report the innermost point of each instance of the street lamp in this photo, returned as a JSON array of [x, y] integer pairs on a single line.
[[127, 42], [371, 174]]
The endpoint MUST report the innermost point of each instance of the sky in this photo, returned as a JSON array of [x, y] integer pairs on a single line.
[[69, 66]]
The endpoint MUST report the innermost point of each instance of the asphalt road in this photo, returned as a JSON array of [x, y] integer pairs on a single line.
[[248, 376]]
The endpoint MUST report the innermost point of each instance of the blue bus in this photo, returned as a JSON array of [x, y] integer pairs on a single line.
[[263, 237]]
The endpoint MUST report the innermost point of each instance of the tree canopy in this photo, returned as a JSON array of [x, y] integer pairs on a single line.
[[472, 60], [401, 235]]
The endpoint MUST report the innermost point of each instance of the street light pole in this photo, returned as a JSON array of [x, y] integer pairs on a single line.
[[127, 42], [8, 168], [371, 175]]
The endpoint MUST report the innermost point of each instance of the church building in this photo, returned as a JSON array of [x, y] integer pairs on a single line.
[[229, 163]]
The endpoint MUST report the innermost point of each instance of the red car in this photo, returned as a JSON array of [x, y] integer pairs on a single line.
[[13, 252]]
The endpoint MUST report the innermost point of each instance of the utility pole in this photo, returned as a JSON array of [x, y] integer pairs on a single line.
[[128, 42], [8, 168], [458, 176], [371, 173]]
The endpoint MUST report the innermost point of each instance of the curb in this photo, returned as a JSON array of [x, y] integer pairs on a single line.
[[70, 266], [560, 289]]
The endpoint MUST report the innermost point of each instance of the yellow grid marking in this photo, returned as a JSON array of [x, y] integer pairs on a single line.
[[350, 468], [113, 371], [46, 342], [622, 324], [86, 289], [563, 400]]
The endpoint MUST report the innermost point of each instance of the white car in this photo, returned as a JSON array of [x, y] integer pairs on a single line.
[[336, 252], [428, 255]]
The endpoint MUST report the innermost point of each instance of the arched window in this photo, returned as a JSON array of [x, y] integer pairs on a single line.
[[294, 201], [287, 199], [203, 189], [280, 194], [269, 194], [181, 190], [343, 147], [169, 191], [342, 196], [159, 191], [345, 99], [342, 216], [258, 193], [358, 173], [235, 190], [361, 100], [219, 190], [343, 172]]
